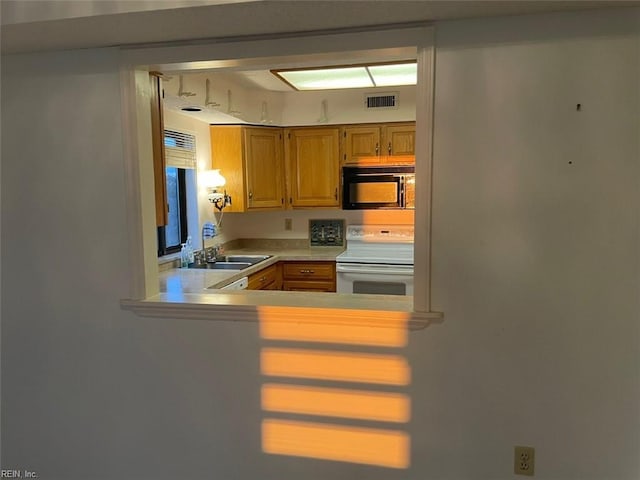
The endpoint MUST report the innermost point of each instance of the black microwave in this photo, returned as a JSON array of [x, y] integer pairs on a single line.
[[384, 187]]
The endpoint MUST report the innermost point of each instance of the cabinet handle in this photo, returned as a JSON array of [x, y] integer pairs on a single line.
[[250, 195], [307, 271], [290, 200], [389, 148], [377, 149], [335, 194], [282, 200]]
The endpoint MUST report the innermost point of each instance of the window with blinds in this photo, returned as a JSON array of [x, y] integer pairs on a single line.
[[180, 149]]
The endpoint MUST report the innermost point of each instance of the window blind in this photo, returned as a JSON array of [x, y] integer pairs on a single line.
[[180, 149]]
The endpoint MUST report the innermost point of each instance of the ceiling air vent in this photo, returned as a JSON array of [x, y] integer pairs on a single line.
[[381, 100]]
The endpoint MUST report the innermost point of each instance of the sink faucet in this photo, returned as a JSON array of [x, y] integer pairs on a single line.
[[208, 231], [199, 258]]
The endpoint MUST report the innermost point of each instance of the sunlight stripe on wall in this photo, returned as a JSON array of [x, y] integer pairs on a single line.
[[333, 402], [387, 448], [341, 366], [378, 328]]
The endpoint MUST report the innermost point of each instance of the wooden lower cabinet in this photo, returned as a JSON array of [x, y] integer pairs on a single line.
[[269, 278], [309, 276]]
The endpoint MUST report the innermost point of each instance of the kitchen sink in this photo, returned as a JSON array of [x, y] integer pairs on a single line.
[[228, 265], [231, 262], [222, 266], [250, 259]]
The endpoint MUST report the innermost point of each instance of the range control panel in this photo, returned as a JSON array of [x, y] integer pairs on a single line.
[[326, 233]]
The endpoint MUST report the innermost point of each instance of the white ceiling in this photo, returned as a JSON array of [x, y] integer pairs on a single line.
[[57, 25]]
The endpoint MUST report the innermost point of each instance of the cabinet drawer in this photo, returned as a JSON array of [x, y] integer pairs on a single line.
[[308, 286], [309, 271], [265, 279]]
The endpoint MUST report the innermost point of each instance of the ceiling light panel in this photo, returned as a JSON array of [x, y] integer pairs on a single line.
[[327, 78], [394, 75]]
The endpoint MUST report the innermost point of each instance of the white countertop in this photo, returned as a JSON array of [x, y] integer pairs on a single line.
[[193, 280]]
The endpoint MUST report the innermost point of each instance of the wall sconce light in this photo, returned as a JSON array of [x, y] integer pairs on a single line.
[[213, 181]]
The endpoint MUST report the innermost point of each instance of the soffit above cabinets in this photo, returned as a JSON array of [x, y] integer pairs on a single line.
[[218, 90], [256, 73]]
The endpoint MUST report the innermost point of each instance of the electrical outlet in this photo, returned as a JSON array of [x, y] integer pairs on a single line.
[[524, 460], [287, 224]]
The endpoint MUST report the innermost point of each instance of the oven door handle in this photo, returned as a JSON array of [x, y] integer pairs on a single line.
[[372, 269]]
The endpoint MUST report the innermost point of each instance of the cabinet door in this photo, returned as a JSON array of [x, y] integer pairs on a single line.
[[159, 166], [361, 145], [314, 167], [399, 144], [227, 155], [266, 279], [264, 168]]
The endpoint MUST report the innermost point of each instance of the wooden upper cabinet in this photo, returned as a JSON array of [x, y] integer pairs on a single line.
[[361, 145], [251, 160], [265, 168], [379, 144], [400, 143], [313, 166], [157, 139]]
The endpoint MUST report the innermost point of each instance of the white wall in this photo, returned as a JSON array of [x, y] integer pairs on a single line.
[[535, 266], [237, 103], [535, 249], [346, 106], [282, 108]]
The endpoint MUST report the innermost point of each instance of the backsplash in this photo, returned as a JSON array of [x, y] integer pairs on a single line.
[[272, 224], [267, 243]]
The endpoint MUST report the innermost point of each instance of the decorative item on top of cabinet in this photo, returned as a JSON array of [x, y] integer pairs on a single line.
[[313, 166], [269, 278], [306, 276], [253, 164], [379, 144]]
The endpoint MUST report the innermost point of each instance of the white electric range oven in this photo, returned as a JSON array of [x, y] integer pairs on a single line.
[[378, 260]]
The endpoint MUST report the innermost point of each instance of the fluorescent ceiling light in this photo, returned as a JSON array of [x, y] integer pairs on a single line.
[[327, 78], [391, 75], [352, 76]]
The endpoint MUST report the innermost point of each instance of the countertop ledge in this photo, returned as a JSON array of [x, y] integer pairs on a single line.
[[195, 295], [245, 306]]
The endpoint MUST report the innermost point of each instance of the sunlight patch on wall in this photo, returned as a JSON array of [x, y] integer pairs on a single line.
[[387, 448], [341, 366], [388, 217], [334, 402], [320, 397], [354, 327]]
